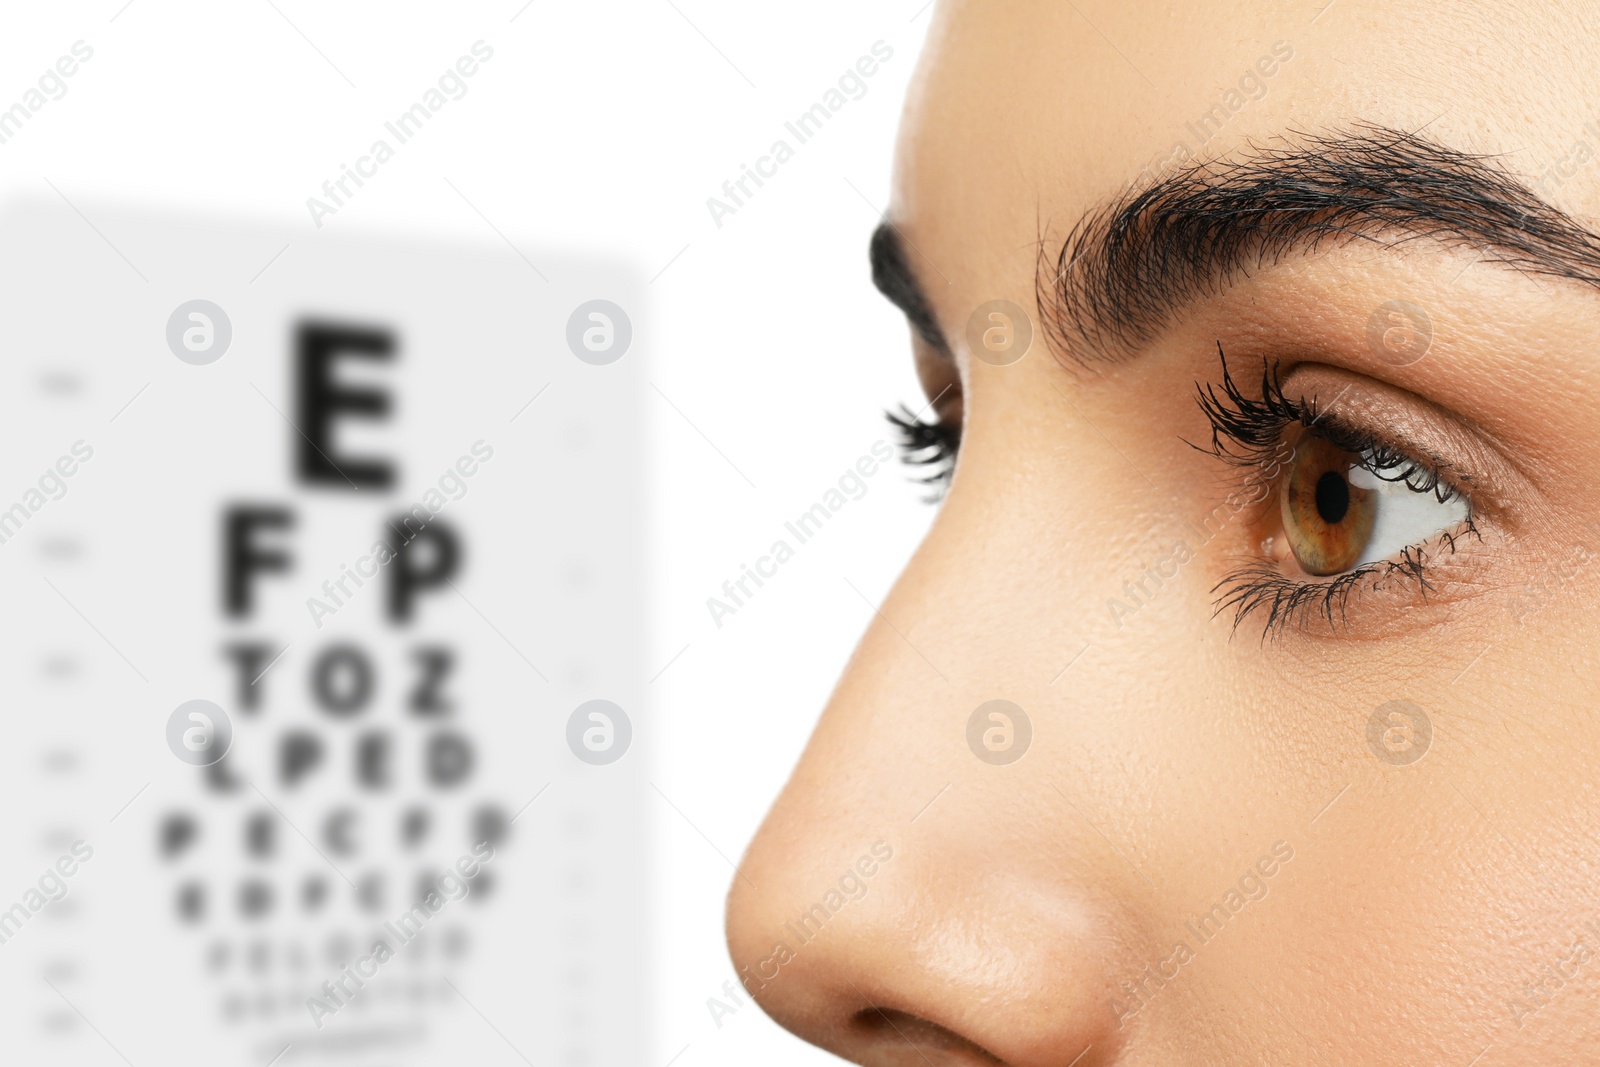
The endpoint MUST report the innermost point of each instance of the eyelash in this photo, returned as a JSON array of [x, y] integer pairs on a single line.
[[1248, 434], [929, 447]]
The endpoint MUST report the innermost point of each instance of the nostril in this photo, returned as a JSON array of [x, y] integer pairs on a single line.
[[889, 1027]]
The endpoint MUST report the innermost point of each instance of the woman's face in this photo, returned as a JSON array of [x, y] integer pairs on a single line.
[[1298, 757]]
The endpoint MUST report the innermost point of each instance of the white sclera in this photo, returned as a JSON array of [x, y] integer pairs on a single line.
[[1405, 516]]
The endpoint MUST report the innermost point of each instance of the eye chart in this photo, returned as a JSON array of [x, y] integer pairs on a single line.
[[320, 557]]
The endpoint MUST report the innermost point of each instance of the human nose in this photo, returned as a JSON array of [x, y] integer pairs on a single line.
[[975, 927]]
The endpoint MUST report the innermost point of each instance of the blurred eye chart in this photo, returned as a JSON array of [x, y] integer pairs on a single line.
[[320, 557]]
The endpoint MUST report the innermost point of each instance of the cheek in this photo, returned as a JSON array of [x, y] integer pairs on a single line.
[[1411, 893]]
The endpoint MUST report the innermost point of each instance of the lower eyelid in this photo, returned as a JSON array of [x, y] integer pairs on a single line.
[[1375, 602]]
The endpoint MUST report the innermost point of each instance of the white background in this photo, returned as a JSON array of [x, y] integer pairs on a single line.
[[597, 129]]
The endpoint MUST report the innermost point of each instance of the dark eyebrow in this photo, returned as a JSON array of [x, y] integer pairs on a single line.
[[1126, 268], [893, 276]]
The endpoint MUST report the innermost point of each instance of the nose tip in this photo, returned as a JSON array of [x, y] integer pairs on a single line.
[[936, 962]]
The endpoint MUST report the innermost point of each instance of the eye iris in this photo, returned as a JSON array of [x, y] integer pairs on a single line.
[[1327, 521], [1333, 497]]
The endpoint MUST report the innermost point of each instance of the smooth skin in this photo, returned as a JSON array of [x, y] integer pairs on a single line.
[[1444, 911]]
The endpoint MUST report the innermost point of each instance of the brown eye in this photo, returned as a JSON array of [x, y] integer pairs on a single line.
[[1326, 520]]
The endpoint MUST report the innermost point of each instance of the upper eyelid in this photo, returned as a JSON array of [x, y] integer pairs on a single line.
[[1353, 408], [1361, 439], [1471, 460]]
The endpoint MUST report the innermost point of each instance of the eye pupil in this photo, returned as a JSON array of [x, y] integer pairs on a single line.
[[1333, 497]]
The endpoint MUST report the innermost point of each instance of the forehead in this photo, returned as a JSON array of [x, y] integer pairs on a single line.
[[1024, 115]]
